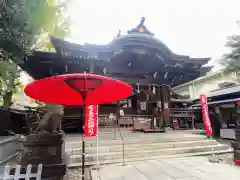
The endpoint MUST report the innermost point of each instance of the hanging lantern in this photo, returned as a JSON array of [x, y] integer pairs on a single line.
[[66, 68], [155, 75], [104, 71], [159, 105], [165, 75], [154, 89], [138, 89]]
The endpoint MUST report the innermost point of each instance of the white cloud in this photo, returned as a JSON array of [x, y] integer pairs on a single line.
[[191, 27]]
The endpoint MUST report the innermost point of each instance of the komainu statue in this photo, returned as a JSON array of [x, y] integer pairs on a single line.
[[51, 121], [46, 145]]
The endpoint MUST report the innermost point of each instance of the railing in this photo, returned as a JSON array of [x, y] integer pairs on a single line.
[[123, 150], [105, 121], [18, 175], [125, 121], [181, 112], [9, 146]]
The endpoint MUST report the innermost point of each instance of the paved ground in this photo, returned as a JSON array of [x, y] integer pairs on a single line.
[[187, 168]]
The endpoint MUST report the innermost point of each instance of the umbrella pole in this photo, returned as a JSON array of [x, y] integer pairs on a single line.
[[83, 142], [97, 139], [83, 158], [83, 147]]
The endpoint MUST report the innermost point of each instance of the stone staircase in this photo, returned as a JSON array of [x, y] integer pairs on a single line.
[[140, 146]]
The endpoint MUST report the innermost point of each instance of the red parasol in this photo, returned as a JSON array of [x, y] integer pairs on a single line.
[[78, 89], [69, 89]]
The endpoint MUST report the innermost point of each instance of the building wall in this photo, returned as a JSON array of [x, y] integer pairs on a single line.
[[205, 84]]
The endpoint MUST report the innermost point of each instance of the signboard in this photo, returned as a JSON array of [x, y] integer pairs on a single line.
[[159, 104], [91, 120], [217, 110], [121, 112], [165, 105], [206, 119]]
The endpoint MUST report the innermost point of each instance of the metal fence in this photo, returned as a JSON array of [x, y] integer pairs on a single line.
[[17, 175]]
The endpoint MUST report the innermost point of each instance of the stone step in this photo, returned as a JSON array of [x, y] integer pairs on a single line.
[[132, 138], [74, 163], [133, 135], [91, 158], [145, 140], [136, 147]]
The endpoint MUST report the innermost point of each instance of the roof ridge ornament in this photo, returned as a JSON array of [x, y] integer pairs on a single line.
[[141, 28]]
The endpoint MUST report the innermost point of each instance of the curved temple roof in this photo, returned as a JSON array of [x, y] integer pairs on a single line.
[[137, 38], [138, 53]]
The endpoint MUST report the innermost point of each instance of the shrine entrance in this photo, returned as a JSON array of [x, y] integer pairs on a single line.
[[148, 107]]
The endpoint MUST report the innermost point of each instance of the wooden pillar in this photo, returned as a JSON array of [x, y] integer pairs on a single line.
[[238, 109], [193, 121], [218, 113], [142, 102], [91, 66], [165, 100], [158, 99]]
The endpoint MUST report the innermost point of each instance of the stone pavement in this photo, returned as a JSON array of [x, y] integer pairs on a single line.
[[187, 168]]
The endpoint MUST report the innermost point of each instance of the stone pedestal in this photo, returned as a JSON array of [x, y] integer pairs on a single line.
[[46, 149]]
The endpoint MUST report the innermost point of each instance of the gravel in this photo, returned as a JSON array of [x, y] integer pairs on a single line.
[[225, 158], [75, 174]]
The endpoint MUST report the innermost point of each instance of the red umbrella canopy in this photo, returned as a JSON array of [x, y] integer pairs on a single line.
[[70, 89]]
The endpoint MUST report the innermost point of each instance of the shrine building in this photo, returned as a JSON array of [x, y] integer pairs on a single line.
[[138, 58]]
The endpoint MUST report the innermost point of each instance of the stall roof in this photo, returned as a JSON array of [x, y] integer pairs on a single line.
[[219, 102], [224, 91], [181, 100]]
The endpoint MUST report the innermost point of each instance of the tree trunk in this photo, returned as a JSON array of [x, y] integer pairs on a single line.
[[7, 99]]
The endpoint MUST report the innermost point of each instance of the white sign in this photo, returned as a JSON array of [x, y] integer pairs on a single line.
[[121, 112]]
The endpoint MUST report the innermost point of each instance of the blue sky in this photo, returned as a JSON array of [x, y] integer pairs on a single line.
[[198, 28]]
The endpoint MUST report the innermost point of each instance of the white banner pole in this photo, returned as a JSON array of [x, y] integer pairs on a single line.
[[97, 137], [213, 154]]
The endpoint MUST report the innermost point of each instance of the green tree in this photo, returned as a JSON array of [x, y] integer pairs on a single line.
[[232, 60], [25, 25]]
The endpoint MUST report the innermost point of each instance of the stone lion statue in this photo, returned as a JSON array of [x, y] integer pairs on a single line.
[[51, 121]]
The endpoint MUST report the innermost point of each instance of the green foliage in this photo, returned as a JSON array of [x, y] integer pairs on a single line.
[[232, 60], [58, 26], [9, 73], [24, 22], [25, 25]]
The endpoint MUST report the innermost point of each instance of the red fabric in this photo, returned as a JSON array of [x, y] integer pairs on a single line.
[[237, 162], [91, 120], [206, 119], [175, 124], [100, 89]]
